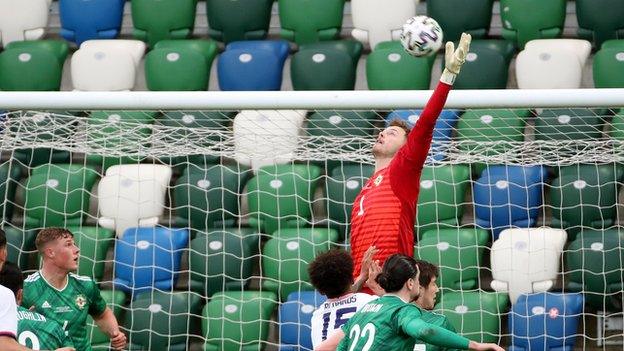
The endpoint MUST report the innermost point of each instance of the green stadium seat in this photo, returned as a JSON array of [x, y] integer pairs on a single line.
[[608, 66], [9, 177], [305, 21], [222, 260], [58, 48], [613, 44], [230, 21], [238, 321], [600, 20], [21, 247], [36, 66], [594, 263], [207, 48], [280, 196], [487, 65], [441, 198], [390, 67], [94, 243], [457, 252], [584, 196], [57, 195], [156, 20], [475, 19], [286, 257], [35, 123], [351, 47], [124, 131], [115, 301], [546, 19], [162, 321], [208, 196], [475, 314], [328, 65], [568, 124]]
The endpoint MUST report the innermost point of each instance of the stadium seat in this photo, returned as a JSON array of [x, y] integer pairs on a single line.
[[265, 137], [390, 67], [475, 314], [442, 132], [10, 173], [594, 263], [32, 66], [257, 66], [607, 68], [305, 21], [375, 21], [295, 316], [226, 312], [57, 195], [600, 20], [352, 47], [546, 21], [135, 48], [569, 124], [57, 127], [156, 20], [23, 19], [581, 48], [209, 197], [21, 247], [458, 253], [222, 260], [343, 186], [230, 21], [585, 196], [132, 196], [475, 19], [83, 20], [545, 321], [322, 66], [526, 260], [93, 243], [487, 65], [508, 196], [286, 256], [149, 258], [441, 198], [162, 321], [120, 130], [613, 44], [548, 68], [281, 196], [115, 300]]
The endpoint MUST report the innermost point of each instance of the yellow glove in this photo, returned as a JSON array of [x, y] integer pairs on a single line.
[[454, 59]]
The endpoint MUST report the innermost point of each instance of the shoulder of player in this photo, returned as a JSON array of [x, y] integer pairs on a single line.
[[32, 278], [80, 278]]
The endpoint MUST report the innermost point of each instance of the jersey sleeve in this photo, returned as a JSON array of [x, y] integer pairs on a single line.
[[8, 313], [407, 165], [97, 305], [410, 323]]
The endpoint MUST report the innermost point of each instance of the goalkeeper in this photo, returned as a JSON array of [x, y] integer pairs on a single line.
[[384, 211]]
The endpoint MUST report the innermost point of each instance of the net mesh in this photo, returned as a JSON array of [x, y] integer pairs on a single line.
[[233, 205]]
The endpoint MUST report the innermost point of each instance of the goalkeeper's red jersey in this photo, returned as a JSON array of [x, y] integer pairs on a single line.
[[384, 212]]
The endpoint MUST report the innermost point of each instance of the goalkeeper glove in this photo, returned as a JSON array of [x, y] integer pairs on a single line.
[[454, 59]]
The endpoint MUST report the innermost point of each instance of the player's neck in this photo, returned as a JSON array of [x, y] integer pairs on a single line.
[[382, 162], [54, 276], [401, 294]]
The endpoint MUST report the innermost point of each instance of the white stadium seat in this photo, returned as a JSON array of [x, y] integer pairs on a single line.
[[375, 21], [266, 137], [23, 19], [132, 196], [526, 260], [136, 48], [548, 68], [98, 69], [581, 48]]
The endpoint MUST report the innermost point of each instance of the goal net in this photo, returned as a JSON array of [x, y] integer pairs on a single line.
[[231, 206]]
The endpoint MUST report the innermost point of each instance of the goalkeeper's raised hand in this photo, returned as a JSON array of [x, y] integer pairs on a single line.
[[454, 59]]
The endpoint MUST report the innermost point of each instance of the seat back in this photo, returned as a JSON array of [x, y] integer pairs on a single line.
[[485, 68], [569, 124], [608, 64], [546, 22], [23, 19], [392, 68], [30, 69], [548, 68], [93, 69], [180, 70], [305, 21], [322, 68], [581, 48], [600, 20], [475, 20], [295, 317], [83, 20], [230, 21], [375, 21], [255, 69], [156, 20]]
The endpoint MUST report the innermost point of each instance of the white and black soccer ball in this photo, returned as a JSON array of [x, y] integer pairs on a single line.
[[421, 36]]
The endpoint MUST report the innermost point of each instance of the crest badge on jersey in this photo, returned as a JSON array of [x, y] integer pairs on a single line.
[[378, 180], [81, 301]]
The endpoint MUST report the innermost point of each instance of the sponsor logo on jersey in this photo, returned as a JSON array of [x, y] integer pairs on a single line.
[[378, 180], [81, 301], [63, 309], [45, 304]]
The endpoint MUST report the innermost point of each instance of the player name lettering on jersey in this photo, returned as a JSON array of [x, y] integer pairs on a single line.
[[350, 300], [30, 316], [371, 308]]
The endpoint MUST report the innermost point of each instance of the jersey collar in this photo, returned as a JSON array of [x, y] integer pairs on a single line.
[[52, 286], [397, 296]]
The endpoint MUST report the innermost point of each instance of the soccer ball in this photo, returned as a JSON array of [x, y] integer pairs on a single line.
[[421, 36]]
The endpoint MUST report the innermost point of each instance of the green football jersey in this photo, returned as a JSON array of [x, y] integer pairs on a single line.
[[69, 307], [436, 319], [38, 333]]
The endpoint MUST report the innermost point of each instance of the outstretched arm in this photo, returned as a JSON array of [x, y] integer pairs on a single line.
[[439, 336], [409, 161]]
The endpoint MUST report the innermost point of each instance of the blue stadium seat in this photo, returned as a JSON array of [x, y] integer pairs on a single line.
[[295, 316], [508, 196], [82, 20], [149, 258], [545, 321], [257, 66], [442, 132]]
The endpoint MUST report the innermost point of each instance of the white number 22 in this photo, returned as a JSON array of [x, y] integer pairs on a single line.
[[368, 332]]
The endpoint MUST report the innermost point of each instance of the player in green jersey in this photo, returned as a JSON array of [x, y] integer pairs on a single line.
[[392, 322], [65, 297], [33, 329]]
